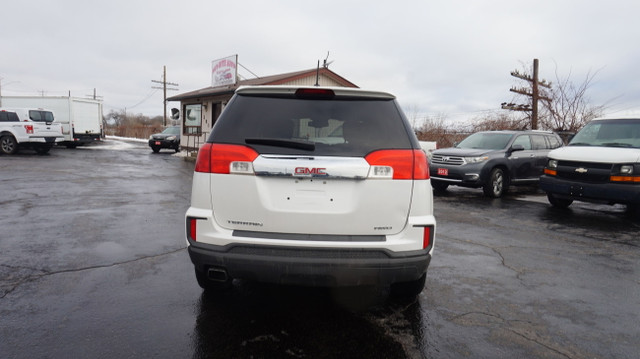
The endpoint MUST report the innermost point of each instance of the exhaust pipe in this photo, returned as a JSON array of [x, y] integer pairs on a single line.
[[217, 274]]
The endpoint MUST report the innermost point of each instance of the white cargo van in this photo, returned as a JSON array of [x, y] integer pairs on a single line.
[[601, 164]]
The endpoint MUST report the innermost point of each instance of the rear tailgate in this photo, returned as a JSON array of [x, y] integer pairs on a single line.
[[311, 195], [46, 130]]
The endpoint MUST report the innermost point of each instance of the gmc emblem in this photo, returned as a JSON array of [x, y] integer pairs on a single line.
[[311, 171]]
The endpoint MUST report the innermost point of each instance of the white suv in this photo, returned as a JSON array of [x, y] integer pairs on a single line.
[[311, 186]]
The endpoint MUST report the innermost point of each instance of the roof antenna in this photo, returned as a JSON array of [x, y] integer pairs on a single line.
[[318, 74], [326, 64]]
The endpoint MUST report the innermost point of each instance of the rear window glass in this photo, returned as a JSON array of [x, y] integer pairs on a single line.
[[41, 116], [352, 127], [6, 116]]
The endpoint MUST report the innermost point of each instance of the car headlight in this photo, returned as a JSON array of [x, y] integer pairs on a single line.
[[626, 169], [151, 137], [476, 159], [171, 138], [552, 164]]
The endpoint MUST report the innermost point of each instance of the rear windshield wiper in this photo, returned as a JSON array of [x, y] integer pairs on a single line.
[[616, 144], [580, 144], [299, 145]]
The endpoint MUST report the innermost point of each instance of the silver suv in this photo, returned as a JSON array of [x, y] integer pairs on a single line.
[[311, 186]]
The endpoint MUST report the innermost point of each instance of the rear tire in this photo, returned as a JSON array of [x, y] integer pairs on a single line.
[[558, 202], [439, 186], [408, 290], [497, 184], [8, 145], [43, 150], [212, 286]]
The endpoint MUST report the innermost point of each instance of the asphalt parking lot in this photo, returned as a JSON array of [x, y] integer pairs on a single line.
[[94, 265]]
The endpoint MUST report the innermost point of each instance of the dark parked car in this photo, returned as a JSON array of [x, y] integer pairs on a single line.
[[169, 138], [493, 160]]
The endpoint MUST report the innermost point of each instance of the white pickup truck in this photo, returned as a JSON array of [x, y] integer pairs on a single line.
[[28, 128]]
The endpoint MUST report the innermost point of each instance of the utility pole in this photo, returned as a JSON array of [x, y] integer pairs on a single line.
[[164, 88], [532, 91]]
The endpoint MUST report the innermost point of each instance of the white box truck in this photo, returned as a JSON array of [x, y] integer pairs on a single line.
[[80, 118]]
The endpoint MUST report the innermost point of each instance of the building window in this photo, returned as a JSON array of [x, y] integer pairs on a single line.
[[193, 119]]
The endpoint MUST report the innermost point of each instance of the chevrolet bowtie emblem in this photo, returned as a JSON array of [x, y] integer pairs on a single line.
[[581, 170]]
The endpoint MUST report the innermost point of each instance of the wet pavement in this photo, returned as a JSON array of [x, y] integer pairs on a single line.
[[93, 264]]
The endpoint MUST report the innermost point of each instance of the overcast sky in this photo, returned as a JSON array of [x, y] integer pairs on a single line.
[[448, 58]]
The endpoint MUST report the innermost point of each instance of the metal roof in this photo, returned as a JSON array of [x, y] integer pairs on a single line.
[[268, 80]]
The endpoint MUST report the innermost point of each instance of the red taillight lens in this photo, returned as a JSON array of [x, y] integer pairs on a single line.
[[217, 158], [427, 237], [191, 222], [420, 165], [203, 162], [406, 164]]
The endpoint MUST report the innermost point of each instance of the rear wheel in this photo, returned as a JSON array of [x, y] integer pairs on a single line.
[[439, 186], [558, 202], [43, 150], [497, 184], [8, 145], [408, 289], [213, 285]]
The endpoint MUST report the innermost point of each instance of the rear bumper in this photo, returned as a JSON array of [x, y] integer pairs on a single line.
[[311, 266], [625, 193], [85, 138], [45, 139]]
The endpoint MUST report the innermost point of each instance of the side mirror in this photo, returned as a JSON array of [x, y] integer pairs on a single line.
[[515, 148]]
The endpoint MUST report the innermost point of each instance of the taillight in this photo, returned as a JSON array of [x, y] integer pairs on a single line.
[[398, 164], [225, 159], [427, 237], [191, 228], [29, 129]]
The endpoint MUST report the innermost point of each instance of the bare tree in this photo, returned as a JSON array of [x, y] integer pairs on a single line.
[[438, 129], [569, 108], [500, 121]]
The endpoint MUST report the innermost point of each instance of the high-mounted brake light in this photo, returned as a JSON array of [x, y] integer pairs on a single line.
[[398, 164], [225, 159], [315, 93]]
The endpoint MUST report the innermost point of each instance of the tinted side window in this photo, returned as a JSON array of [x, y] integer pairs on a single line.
[[524, 141], [538, 142], [554, 142], [349, 127], [8, 117]]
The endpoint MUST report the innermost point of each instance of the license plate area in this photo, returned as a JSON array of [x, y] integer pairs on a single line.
[[443, 171], [158, 143]]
